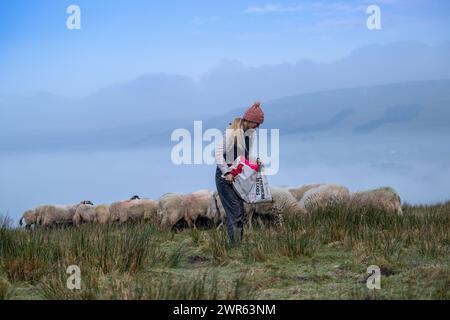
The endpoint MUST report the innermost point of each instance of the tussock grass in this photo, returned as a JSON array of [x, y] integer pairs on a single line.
[[324, 254]]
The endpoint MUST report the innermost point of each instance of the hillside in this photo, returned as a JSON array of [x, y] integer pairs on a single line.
[[394, 108], [322, 256]]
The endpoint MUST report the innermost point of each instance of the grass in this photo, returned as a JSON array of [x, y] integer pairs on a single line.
[[323, 255]]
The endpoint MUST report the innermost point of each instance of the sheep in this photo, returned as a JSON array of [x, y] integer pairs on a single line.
[[170, 210], [150, 209], [50, 215], [323, 196], [85, 213], [30, 218], [40, 211], [299, 191], [283, 203], [119, 210], [142, 209], [91, 214], [385, 199], [88, 213], [33, 217], [196, 205], [102, 215], [216, 212], [175, 207]]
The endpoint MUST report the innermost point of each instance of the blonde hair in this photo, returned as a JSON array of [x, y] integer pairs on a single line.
[[237, 127]]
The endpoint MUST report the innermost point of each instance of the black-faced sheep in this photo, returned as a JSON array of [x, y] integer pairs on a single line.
[[29, 218]]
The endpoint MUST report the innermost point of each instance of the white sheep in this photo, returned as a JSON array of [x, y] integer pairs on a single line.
[[175, 207], [119, 210], [30, 218], [323, 196], [216, 212], [283, 203], [299, 191], [196, 205], [170, 210], [50, 215], [385, 199], [142, 209], [85, 213], [102, 215]]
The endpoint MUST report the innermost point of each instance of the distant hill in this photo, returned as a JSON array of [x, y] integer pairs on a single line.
[[157, 99], [379, 109], [395, 107]]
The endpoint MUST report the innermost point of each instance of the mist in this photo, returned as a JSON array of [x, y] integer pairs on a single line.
[[408, 163], [388, 129]]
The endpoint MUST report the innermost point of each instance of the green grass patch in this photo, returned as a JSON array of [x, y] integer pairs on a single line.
[[323, 255]]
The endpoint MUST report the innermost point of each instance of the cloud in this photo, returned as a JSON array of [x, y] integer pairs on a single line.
[[270, 8]]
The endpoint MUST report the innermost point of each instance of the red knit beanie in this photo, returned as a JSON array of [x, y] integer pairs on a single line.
[[254, 113]]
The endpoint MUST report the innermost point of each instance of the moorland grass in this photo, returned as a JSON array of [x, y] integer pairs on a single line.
[[323, 255]]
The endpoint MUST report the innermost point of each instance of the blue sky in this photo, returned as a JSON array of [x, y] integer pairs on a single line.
[[121, 40]]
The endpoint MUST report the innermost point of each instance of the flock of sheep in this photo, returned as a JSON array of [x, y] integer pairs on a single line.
[[205, 205]]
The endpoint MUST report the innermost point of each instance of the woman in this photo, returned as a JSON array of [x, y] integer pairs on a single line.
[[237, 140]]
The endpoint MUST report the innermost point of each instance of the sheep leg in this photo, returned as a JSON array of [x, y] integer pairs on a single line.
[[189, 221]]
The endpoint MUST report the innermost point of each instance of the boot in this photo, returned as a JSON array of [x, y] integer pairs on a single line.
[[238, 232]]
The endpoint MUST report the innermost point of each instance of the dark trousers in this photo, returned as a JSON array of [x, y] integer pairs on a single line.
[[234, 208]]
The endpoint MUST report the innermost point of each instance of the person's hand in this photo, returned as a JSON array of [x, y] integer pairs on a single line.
[[229, 178]]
